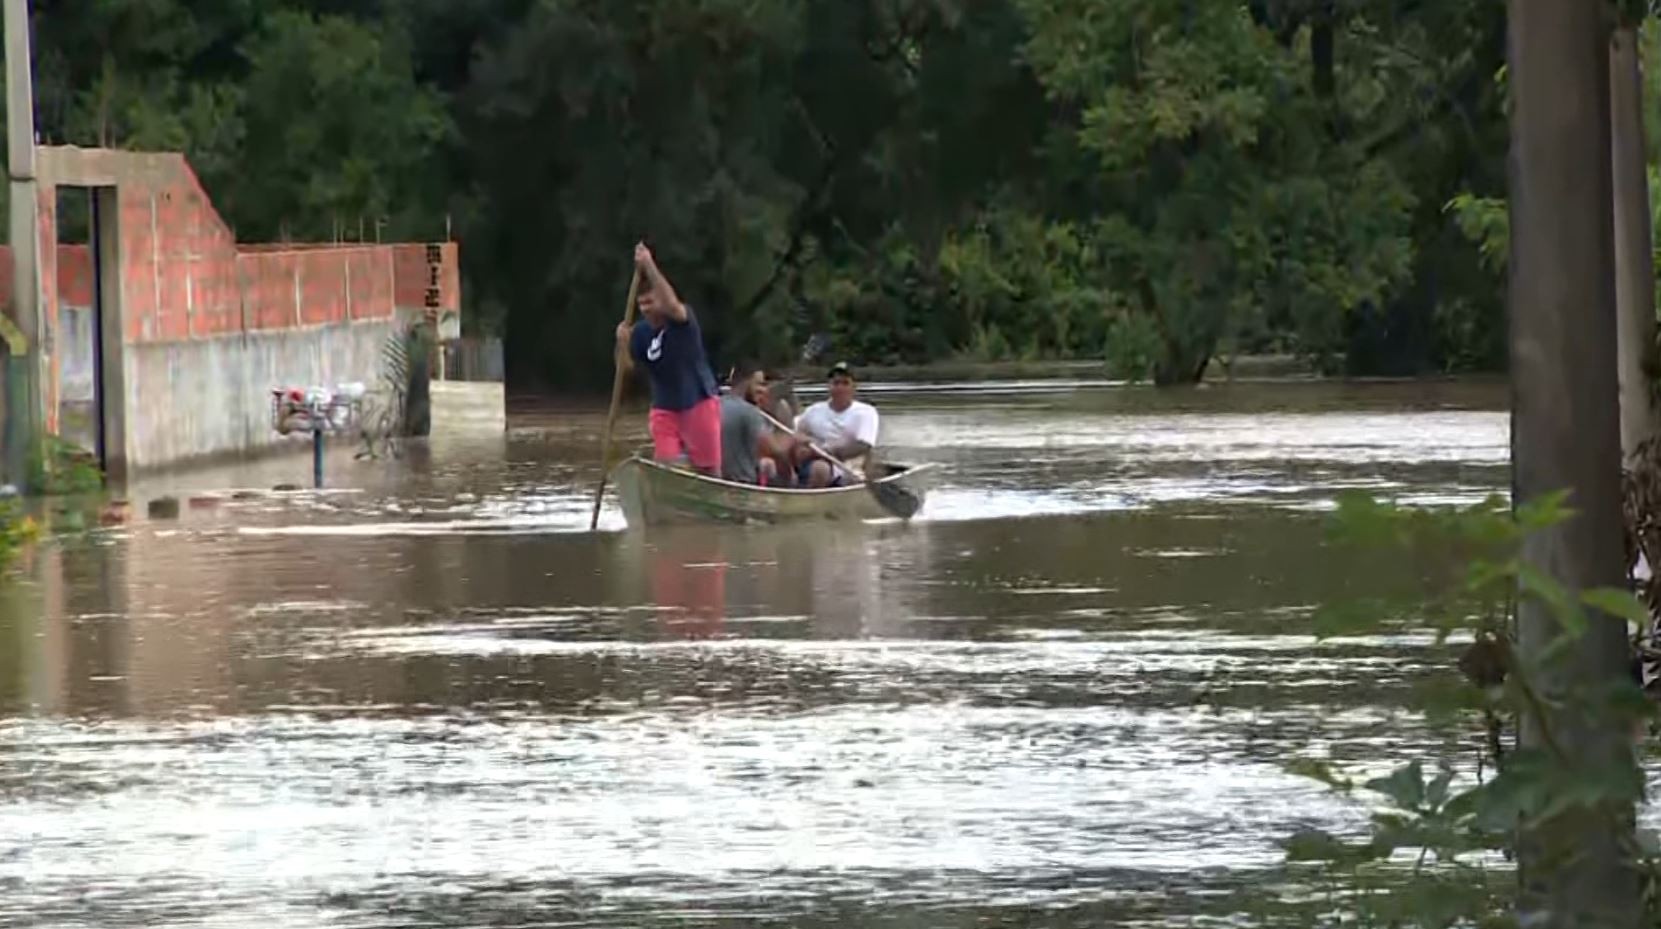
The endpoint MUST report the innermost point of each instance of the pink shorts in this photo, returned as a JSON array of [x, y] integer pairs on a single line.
[[694, 432]]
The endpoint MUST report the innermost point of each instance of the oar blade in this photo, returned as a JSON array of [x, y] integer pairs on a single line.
[[895, 498]]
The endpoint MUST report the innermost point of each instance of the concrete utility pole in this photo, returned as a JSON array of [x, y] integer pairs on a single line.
[[1565, 435], [25, 362], [1634, 258]]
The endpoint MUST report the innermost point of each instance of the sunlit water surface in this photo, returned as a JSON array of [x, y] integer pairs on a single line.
[[428, 696]]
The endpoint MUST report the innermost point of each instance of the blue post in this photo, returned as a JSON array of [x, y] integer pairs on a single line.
[[317, 457]]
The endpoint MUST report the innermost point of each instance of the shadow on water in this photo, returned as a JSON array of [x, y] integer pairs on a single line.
[[426, 700]]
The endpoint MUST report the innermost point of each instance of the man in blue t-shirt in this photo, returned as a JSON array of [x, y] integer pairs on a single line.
[[686, 414]]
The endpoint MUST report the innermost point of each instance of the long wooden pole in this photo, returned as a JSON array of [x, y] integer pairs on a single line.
[[616, 401]]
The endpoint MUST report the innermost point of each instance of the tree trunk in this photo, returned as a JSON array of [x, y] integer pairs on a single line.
[[1634, 255], [1320, 49], [1180, 365], [1565, 434], [419, 421]]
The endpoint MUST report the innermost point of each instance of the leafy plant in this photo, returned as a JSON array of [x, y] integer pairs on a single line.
[[1457, 825], [61, 468], [1486, 223], [385, 418], [17, 530]]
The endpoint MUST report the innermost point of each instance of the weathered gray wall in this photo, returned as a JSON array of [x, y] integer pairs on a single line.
[[468, 406], [197, 328], [210, 397], [75, 382], [473, 359], [75, 353]]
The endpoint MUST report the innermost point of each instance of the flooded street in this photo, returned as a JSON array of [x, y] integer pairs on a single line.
[[429, 697]]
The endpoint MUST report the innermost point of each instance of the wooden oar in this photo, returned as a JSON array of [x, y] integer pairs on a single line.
[[890, 496], [616, 400]]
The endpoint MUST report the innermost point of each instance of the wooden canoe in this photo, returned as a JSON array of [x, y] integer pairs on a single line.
[[655, 494]]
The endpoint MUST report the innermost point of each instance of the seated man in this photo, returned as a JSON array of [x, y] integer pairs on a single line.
[[780, 397], [778, 443], [749, 444], [842, 426]]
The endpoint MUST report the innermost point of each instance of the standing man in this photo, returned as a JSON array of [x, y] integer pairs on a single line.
[[842, 426], [686, 414]]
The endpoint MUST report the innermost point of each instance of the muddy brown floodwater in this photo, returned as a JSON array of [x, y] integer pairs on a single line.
[[1063, 696]]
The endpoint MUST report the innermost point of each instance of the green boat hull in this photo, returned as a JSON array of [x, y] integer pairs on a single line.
[[653, 494]]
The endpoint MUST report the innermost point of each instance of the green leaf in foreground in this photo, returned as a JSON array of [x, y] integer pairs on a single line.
[[1405, 786], [1618, 603], [1564, 607], [1350, 617]]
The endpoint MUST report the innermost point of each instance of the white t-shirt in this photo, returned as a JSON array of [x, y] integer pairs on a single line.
[[829, 429]]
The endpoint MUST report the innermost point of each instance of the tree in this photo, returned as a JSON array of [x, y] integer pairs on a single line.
[[336, 130], [1226, 189], [593, 125], [905, 179], [298, 123]]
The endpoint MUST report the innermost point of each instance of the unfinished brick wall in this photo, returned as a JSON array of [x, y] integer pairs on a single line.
[[74, 272], [184, 277]]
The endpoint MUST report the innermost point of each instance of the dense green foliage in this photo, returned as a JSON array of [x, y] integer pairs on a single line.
[[1152, 182]]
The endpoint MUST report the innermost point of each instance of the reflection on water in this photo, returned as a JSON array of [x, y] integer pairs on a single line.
[[428, 698]]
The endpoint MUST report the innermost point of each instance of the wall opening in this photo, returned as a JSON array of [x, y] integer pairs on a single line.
[[88, 338]]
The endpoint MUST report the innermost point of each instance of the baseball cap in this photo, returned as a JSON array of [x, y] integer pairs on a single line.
[[840, 369]]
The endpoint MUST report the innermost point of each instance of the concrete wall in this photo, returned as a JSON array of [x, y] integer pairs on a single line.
[[75, 335], [470, 359], [468, 406], [199, 327], [213, 395]]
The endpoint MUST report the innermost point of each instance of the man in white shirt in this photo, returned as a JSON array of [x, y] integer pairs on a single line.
[[842, 426]]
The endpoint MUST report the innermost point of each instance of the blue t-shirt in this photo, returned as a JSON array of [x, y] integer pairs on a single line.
[[674, 358]]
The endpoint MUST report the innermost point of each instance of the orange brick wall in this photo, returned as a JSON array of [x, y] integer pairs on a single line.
[[185, 277], [74, 275], [74, 263], [423, 283]]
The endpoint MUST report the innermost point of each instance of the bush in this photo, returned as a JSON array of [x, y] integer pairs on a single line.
[[1027, 288], [62, 468], [17, 530], [1133, 347]]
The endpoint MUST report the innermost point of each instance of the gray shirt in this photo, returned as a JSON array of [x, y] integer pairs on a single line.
[[742, 427]]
